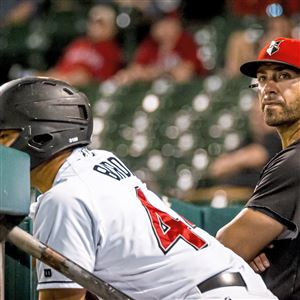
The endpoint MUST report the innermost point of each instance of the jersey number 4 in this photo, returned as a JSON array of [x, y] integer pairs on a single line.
[[167, 229]]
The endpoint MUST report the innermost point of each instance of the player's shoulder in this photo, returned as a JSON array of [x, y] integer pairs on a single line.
[[84, 167], [112, 167], [290, 156], [83, 156], [64, 199], [67, 189], [107, 157], [284, 162], [101, 153]]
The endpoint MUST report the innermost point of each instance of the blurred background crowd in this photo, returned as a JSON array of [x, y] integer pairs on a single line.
[[163, 78]]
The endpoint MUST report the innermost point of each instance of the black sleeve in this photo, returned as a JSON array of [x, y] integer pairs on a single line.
[[277, 193]]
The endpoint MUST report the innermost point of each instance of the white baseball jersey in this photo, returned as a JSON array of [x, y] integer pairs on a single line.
[[100, 215]]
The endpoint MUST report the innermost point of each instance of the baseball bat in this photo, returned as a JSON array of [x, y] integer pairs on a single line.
[[62, 264]]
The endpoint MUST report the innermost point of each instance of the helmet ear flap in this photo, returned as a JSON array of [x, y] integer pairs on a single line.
[[39, 141]]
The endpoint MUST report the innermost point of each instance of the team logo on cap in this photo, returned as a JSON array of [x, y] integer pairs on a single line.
[[273, 47]]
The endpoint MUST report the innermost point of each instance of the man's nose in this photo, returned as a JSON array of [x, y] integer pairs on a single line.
[[270, 86]]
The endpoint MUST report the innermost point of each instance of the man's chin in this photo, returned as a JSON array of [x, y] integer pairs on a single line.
[[273, 122], [272, 118]]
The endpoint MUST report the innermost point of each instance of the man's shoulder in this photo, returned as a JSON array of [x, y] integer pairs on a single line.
[[291, 154], [287, 158], [68, 187], [98, 162], [100, 155]]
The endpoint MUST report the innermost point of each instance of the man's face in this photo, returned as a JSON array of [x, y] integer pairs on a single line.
[[99, 30], [8, 137], [166, 30], [279, 94]]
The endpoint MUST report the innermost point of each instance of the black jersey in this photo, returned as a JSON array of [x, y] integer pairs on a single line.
[[277, 194]]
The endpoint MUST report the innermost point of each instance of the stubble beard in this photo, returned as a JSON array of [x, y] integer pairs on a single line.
[[286, 116]]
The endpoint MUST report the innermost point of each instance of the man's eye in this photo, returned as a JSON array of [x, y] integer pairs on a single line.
[[284, 76], [261, 78]]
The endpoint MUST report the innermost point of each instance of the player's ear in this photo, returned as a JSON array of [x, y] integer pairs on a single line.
[[8, 137]]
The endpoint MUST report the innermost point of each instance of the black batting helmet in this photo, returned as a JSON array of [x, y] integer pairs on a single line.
[[51, 115]]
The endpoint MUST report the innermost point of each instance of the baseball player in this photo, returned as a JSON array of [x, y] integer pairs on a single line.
[[95, 211], [272, 215]]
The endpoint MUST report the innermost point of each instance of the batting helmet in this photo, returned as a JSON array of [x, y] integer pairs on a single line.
[[51, 115]]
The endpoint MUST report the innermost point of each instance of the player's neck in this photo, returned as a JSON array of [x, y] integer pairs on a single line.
[[289, 134], [42, 177]]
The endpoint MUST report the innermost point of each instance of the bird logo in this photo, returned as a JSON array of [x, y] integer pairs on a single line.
[[274, 47]]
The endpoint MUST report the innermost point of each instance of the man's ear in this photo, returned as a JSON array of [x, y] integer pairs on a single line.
[[7, 137], [3, 137]]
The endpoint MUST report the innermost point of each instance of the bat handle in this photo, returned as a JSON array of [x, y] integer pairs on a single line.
[[62, 264]]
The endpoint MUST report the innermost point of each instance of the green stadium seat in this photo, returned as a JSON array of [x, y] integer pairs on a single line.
[[215, 218], [209, 218], [191, 212], [189, 125], [20, 281]]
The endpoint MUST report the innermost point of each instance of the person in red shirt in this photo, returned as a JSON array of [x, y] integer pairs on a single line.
[[168, 51], [94, 57]]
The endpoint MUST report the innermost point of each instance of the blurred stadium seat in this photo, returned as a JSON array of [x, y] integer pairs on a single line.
[[39, 43], [209, 218], [168, 133]]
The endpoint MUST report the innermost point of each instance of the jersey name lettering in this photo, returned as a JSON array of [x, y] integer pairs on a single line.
[[168, 231], [113, 168]]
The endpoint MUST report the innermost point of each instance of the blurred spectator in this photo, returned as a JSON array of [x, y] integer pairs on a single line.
[[147, 7], [242, 167], [94, 57], [242, 45], [13, 12], [168, 50], [150, 8], [278, 26]]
